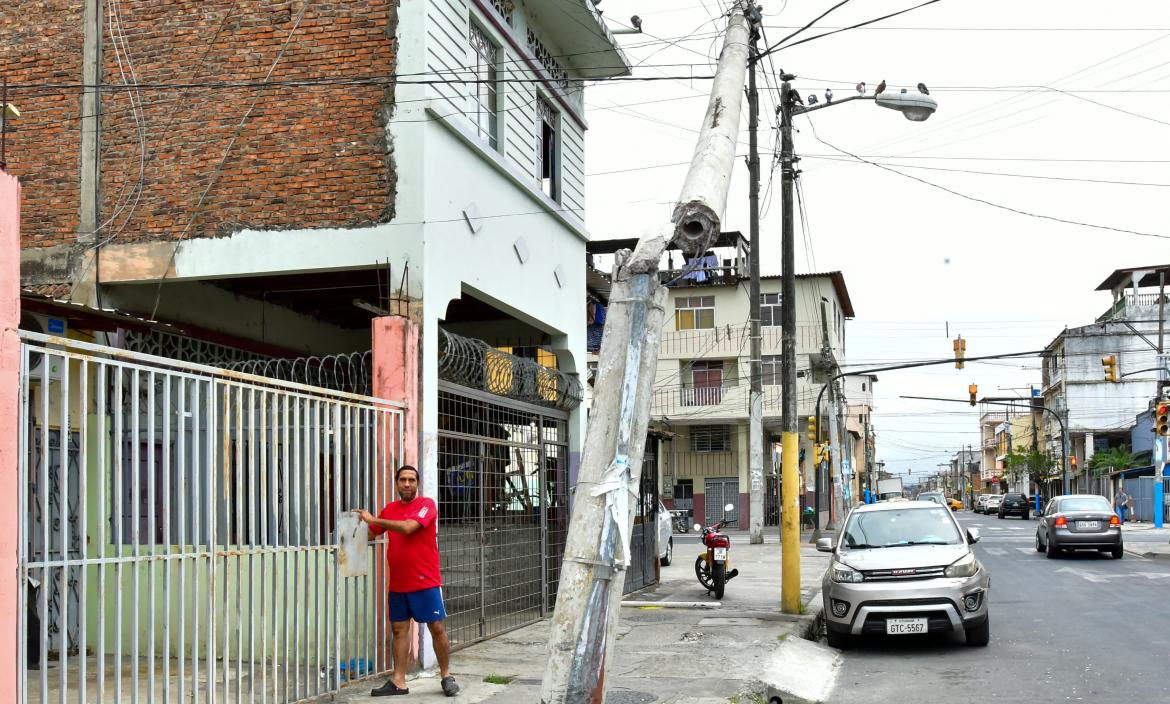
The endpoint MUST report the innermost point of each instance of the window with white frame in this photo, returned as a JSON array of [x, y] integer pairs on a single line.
[[770, 316], [770, 370], [484, 92], [710, 438], [694, 313], [548, 132]]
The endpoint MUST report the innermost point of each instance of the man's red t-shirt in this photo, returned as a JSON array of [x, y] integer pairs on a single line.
[[412, 561]]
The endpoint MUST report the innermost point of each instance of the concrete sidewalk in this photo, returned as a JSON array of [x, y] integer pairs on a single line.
[[1155, 542], [664, 655]]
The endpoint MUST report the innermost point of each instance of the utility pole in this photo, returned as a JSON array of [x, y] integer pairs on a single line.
[[756, 397], [597, 548], [789, 511]]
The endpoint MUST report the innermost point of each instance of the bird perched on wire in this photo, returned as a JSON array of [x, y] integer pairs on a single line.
[[881, 87], [828, 95], [922, 89], [861, 88], [812, 100], [794, 99]]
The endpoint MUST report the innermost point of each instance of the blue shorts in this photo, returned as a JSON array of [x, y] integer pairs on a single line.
[[424, 606]]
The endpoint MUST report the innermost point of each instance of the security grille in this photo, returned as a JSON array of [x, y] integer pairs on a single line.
[[720, 492], [643, 568], [503, 507], [177, 530]]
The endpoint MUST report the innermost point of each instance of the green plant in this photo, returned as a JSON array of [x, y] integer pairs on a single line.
[[498, 679], [1034, 464], [1112, 458]]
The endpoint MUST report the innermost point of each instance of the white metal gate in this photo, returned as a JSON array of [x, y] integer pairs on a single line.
[[177, 530], [720, 492]]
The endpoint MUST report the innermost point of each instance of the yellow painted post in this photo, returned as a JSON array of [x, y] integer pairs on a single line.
[[789, 524]]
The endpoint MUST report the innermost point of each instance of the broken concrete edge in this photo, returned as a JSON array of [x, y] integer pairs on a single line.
[[674, 604], [814, 617], [1149, 555]]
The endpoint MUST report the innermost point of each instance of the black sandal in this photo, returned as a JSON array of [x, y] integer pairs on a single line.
[[389, 690], [450, 688]]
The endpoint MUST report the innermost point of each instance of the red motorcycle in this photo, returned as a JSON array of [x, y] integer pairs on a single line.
[[711, 566]]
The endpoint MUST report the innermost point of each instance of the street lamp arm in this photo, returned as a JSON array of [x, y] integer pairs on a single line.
[[802, 109]]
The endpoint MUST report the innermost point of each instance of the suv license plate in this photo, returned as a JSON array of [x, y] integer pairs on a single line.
[[905, 626], [1088, 525], [721, 554]]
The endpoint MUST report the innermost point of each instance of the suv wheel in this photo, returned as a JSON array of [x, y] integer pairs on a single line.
[[980, 635], [665, 559], [840, 641]]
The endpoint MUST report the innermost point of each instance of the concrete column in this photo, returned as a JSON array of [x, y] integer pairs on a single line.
[[395, 344], [9, 431], [396, 347]]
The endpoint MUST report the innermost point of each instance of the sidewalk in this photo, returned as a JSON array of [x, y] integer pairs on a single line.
[[663, 655], [1157, 548]]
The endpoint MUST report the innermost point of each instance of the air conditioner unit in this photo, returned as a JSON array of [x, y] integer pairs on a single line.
[[45, 325]]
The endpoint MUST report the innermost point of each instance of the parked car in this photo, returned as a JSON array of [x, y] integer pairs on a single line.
[[955, 504], [935, 496], [980, 503], [991, 505], [904, 568], [1015, 504], [1079, 522], [665, 541]]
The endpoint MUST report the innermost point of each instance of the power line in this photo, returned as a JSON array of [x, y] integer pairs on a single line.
[[983, 201], [853, 26]]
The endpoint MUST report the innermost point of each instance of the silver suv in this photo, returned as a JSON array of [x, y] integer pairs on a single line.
[[902, 569]]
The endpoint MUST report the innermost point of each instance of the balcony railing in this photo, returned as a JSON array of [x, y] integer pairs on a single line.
[[1120, 307], [701, 396]]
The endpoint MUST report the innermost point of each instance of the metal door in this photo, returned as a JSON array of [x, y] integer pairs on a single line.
[[720, 492], [503, 510], [643, 569]]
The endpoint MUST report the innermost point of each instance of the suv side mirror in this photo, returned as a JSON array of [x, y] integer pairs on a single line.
[[825, 545], [972, 536]]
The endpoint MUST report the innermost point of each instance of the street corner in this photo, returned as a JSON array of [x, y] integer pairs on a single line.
[[800, 671]]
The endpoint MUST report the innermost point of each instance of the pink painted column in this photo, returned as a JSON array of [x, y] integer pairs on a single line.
[[395, 345], [9, 431]]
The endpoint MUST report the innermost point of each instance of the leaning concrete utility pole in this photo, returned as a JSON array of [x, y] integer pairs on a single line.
[[789, 443], [597, 548]]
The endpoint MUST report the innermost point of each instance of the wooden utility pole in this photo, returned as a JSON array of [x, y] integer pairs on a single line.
[[789, 442], [756, 397], [597, 547]]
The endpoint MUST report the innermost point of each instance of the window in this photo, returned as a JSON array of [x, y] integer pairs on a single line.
[[547, 163], [706, 384], [484, 97], [770, 370], [694, 313], [770, 316], [710, 438]]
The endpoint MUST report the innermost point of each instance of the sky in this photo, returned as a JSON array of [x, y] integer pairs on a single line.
[[1055, 101]]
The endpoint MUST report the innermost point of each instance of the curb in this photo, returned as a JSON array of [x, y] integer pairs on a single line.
[[1149, 555], [812, 629]]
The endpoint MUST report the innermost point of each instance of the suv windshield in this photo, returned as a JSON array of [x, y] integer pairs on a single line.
[[894, 527], [1086, 503]]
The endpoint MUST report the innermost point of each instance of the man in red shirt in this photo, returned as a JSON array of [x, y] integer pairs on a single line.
[[412, 562]]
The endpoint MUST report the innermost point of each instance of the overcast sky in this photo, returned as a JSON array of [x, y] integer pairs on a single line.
[[918, 261]]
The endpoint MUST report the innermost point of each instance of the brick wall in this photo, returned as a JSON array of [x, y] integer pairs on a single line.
[[40, 42], [308, 156]]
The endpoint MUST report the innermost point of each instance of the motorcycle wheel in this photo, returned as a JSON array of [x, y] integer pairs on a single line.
[[719, 579], [703, 573]]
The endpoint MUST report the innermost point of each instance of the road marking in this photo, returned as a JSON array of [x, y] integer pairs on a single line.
[[1101, 578], [995, 551], [1027, 551]]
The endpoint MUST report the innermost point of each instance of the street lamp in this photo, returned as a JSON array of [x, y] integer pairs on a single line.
[[916, 107]]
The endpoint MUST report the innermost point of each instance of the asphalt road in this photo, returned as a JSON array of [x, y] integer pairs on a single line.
[[1081, 628]]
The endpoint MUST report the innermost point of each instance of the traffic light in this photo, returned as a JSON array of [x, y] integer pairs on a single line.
[[960, 351], [1110, 364], [1162, 418], [1072, 461], [812, 428], [974, 391]]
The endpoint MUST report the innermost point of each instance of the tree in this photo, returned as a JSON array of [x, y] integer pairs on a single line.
[[1111, 459], [1033, 464]]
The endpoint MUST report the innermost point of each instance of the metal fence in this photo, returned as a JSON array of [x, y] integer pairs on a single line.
[[177, 530], [644, 548], [503, 502]]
